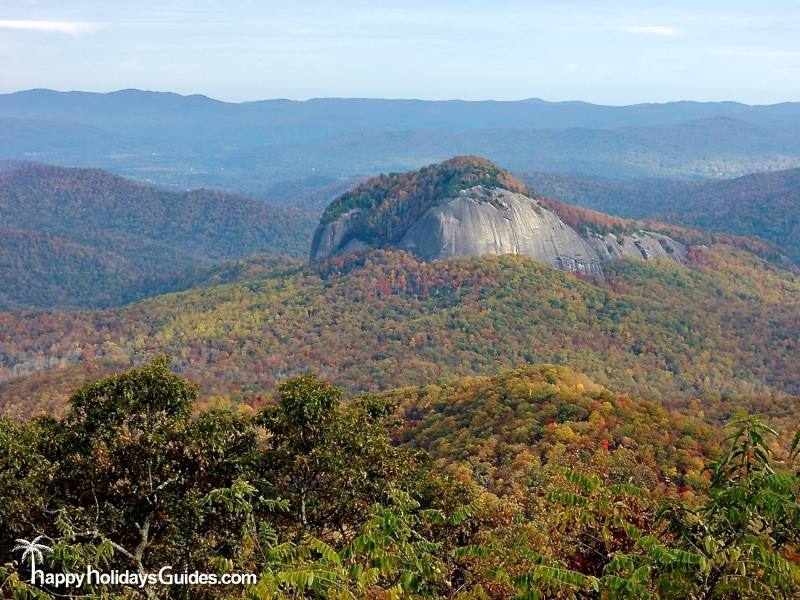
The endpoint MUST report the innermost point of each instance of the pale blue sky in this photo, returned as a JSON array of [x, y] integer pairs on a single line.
[[607, 51]]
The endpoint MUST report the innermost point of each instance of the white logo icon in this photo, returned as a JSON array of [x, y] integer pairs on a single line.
[[32, 549]]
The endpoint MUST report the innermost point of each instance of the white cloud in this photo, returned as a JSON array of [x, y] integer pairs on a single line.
[[68, 27], [657, 30]]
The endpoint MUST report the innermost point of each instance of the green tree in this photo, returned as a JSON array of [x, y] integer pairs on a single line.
[[330, 462], [131, 469], [25, 474], [734, 545]]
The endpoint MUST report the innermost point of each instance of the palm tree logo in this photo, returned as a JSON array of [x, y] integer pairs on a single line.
[[32, 549]]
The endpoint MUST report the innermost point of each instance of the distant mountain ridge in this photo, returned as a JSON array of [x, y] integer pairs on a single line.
[[259, 147], [125, 107], [86, 238]]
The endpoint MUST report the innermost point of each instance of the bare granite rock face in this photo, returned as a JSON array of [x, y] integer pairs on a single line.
[[334, 238], [641, 245], [480, 221]]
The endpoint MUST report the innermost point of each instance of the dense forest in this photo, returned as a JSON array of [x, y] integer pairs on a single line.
[[724, 326], [86, 238], [534, 483], [764, 205], [502, 430]]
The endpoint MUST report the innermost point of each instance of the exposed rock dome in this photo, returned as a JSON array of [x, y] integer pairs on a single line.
[[469, 207]]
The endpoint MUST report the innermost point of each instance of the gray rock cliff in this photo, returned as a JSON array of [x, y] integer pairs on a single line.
[[480, 221]]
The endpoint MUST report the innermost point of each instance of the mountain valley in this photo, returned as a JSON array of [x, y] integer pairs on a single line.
[[82, 238]]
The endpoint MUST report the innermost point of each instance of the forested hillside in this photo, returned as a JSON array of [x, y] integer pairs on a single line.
[[726, 325], [86, 238], [532, 483], [765, 205]]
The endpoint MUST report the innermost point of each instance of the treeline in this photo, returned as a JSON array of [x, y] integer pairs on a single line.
[[535, 483]]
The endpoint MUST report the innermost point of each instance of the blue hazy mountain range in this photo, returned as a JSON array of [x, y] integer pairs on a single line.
[[293, 151]]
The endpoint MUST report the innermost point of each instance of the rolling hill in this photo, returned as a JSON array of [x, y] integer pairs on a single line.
[[383, 319], [503, 424], [380, 317], [531, 467], [765, 205], [87, 238]]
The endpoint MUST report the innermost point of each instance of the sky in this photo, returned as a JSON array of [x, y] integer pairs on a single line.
[[604, 51]]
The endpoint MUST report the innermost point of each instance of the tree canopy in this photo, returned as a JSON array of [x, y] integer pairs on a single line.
[[535, 483]]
